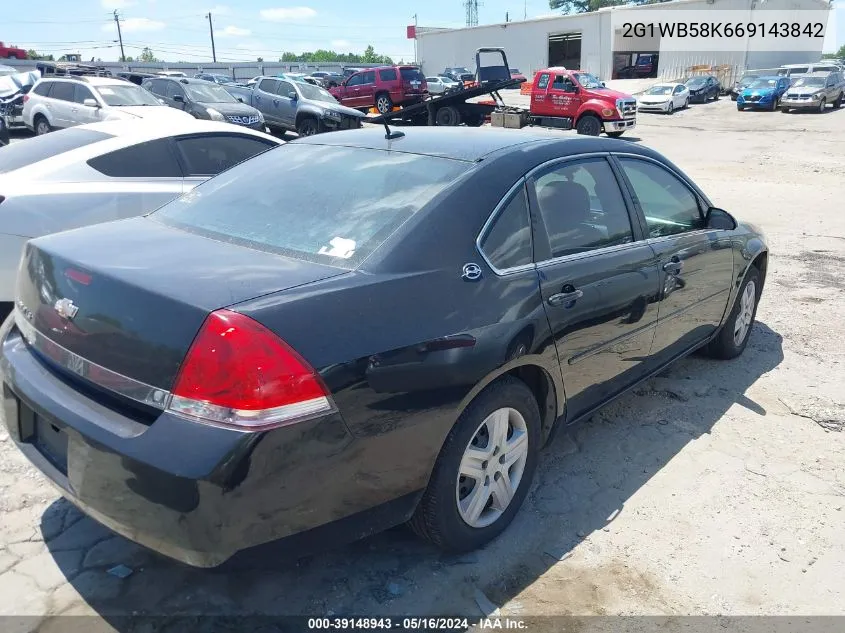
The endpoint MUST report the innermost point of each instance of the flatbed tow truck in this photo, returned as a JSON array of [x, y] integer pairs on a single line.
[[560, 99]]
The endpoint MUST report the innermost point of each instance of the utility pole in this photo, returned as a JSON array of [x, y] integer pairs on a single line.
[[525, 14], [119, 36], [416, 61], [211, 30]]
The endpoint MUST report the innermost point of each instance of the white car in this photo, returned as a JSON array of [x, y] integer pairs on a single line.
[[439, 85], [107, 171], [60, 102], [664, 98]]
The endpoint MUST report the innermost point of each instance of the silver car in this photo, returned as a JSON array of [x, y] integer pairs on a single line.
[[440, 85], [814, 92], [107, 171]]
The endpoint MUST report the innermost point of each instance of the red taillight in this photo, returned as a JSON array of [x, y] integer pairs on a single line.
[[238, 373], [25, 98]]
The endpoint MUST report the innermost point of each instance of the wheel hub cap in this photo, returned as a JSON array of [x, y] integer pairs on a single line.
[[745, 315], [491, 468]]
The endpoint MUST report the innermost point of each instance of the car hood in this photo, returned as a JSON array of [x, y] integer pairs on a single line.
[[654, 98], [763, 92], [334, 107], [231, 109], [696, 88], [607, 93], [161, 112], [804, 90]]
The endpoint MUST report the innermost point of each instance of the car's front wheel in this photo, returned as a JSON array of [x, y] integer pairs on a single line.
[[671, 108], [588, 125], [822, 104], [308, 127], [733, 337], [484, 469]]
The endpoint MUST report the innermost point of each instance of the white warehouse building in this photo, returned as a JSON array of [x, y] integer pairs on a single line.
[[591, 42]]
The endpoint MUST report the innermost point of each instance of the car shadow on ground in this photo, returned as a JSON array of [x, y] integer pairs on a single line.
[[585, 478]]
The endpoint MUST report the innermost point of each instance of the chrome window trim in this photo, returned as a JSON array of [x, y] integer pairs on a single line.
[[119, 384], [592, 253], [565, 159], [491, 219]]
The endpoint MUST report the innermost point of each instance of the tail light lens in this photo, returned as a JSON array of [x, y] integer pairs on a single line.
[[239, 374], [25, 98]]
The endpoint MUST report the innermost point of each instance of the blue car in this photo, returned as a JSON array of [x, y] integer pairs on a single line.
[[763, 93]]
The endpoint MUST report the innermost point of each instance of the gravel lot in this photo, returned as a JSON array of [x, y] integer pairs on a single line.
[[717, 488]]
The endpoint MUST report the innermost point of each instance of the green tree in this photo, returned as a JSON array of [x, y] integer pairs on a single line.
[[129, 59], [841, 52], [260, 60], [147, 56], [33, 54]]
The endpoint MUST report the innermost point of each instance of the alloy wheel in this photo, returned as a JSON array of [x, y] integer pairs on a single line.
[[822, 104], [491, 468], [745, 316], [383, 105], [671, 107], [42, 127]]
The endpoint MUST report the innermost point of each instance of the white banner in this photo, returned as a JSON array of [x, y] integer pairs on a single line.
[[708, 30]]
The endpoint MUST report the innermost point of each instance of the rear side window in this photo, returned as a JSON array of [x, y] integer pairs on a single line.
[[62, 90], [508, 242], [387, 75], [39, 148], [333, 205], [268, 85], [209, 155], [42, 89], [174, 89], [153, 159], [410, 74]]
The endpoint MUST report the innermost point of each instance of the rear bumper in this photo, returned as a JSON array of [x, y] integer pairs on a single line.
[[192, 492]]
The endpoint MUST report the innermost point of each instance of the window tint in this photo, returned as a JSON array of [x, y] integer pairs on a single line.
[[152, 159], [544, 81], [355, 80], [387, 75], [284, 88], [410, 74], [582, 207], [62, 90], [38, 148], [173, 89], [667, 203], [369, 78], [508, 242], [209, 155], [43, 88], [798, 71], [268, 85], [334, 205], [81, 93]]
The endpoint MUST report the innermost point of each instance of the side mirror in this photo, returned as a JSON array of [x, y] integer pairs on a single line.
[[719, 219], [91, 103], [179, 99], [241, 99], [603, 85], [292, 95]]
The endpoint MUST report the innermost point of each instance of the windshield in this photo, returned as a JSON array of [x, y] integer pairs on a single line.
[[120, 95], [315, 93], [697, 81], [763, 83], [660, 90], [208, 93], [748, 78], [332, 205], [810, 81], [588, 81]]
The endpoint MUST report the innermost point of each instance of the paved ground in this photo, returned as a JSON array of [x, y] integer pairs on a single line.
[[717, 488]]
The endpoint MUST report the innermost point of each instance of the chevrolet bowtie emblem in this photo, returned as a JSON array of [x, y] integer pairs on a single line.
[[65, 308]]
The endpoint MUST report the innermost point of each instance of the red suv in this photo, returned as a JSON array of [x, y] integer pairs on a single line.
[[382, 88]]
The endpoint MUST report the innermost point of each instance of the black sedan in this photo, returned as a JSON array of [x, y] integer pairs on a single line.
[[703, 88], [389, 332]]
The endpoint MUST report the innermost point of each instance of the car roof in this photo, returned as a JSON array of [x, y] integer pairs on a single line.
[[91, 80]]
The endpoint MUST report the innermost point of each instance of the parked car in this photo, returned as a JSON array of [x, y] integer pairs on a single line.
[[60, 102], [14, 89], [171, 73], [764, 93], [135, 77], [349, 71], [382, 88], [205, 100], [297, 106], [11, 52], [326, 79], [198, 351], [666, 98], [459, 73], [216, 78], [516, 74], [441, 85], [814, 92], [107, 171], [747, 77], [703, 88], [7, 70]]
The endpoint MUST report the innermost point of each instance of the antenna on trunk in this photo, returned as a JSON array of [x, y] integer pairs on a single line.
[[391, 135]]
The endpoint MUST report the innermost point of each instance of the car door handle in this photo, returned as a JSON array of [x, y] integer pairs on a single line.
[[562, 298]]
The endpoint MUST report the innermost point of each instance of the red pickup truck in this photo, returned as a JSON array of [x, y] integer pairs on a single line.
[[382, 88], [11, 52], [569, 99]]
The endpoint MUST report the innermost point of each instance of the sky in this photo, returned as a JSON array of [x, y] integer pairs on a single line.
[[247, 29]]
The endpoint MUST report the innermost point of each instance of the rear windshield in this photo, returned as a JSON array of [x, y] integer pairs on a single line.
[[331, 205], [38, 148], [411, 74]]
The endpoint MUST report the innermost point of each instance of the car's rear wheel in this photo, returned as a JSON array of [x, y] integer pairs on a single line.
[[733, 337], [448, 116], [42, 125], [588, 125], [384, 103], [308, 127], [484, 469], [822, 104]]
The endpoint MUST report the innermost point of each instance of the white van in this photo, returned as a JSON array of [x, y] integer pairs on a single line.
[[791, 70]]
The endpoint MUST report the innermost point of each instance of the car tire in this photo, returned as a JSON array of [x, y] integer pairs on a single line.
[[671, 108], [588, 125], [784, 109], [384, 104], [822, 105], [734, 334], [733, 97], [41, 125], [459, 512], [686, 103], [447, 116], [308, 126], [740, 107], [838, 103]]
